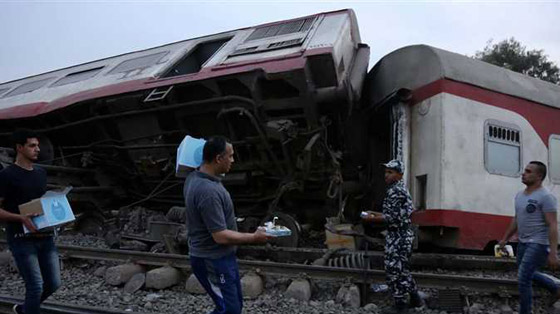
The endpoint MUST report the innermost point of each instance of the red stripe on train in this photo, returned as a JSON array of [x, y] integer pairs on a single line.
[[290, 62], [544, 119], [475, 230]]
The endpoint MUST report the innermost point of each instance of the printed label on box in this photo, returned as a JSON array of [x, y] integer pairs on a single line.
[[56, 210]]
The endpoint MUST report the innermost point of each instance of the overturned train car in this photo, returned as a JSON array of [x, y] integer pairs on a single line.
[[283, 93], [309, 127]]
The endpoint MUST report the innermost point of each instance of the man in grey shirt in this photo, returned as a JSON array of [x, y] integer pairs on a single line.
[[212, 228], [537, 229]]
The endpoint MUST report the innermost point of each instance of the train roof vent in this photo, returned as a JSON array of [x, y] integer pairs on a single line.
[[504, 134], [271, 46], [28, 87], [301, 25], [138, 63], [77, 76], [242, 51], [286, 43]]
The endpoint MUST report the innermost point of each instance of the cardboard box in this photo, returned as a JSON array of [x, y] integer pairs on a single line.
[[53, 210], [338, 241], [189, 155]]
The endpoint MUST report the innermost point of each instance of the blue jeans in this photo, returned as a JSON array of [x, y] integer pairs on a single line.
[[220, 278], [530, 258], [38, 263]]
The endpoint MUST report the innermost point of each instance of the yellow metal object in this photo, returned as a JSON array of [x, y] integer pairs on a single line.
[[335, 241]]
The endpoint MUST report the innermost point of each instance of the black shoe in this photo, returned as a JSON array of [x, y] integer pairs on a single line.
[[416, 300], [17, 309]]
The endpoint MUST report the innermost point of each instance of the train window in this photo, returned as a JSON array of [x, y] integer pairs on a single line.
[[554, 158], [28, 87], [290, 27], [421, 191], [139, 63], [196, 58], [77, 77], [502, 148], [3, 90]]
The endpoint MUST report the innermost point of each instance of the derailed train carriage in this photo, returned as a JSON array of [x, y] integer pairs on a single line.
[[281, 92], [309, 128]]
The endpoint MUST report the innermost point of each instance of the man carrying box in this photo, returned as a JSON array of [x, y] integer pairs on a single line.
[[35, 253], [212, 228]]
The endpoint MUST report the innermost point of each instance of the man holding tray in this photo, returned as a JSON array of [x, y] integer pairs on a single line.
[[212, 228]]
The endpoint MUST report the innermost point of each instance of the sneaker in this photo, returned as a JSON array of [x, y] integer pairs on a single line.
[[17, 309]]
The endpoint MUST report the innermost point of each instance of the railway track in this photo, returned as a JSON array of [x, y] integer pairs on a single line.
[[454, 284], [328, 273], [418, 260], [367, 276], [51, 307]]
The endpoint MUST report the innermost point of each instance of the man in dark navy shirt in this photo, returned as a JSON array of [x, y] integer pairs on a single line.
[[397, 207], [212, 228], [35, 253]]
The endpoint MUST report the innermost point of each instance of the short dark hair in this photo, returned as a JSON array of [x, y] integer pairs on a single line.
[[20, 136], [541, 167], [214, 146]]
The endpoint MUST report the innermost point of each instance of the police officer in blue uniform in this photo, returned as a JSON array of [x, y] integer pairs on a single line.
[[397, 207]]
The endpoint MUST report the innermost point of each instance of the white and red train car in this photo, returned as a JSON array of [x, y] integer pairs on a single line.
[[326, 46], [469, 128]]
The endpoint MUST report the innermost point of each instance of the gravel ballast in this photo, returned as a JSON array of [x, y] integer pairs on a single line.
[[82, 286]]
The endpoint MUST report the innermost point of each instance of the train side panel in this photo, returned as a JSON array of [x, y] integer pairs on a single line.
[[469, 204]]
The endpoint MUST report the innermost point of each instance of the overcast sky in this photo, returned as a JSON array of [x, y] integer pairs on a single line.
[[39, 36]]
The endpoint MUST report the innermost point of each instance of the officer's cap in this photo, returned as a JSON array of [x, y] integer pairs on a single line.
[[396, 165]]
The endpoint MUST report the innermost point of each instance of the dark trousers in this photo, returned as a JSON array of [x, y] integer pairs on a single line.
[[220, 278], [38, 264], [398, 250]]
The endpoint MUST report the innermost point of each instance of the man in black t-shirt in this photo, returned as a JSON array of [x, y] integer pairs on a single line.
[[35, 253]]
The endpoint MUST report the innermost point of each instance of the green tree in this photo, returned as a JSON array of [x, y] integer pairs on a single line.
[[511, 55]]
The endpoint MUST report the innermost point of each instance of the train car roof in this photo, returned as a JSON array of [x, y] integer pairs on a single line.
[[235, 51], [415, 66]]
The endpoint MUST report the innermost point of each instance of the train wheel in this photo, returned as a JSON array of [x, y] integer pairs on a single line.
[[289, 222]]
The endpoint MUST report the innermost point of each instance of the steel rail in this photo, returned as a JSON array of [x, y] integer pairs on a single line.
[[54, 307], [418, 260], [491, 285]]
